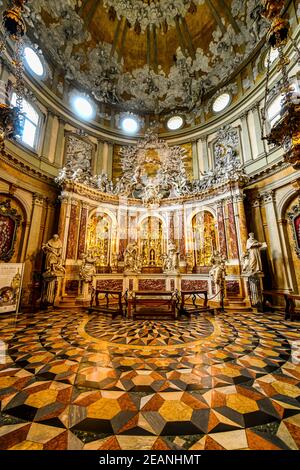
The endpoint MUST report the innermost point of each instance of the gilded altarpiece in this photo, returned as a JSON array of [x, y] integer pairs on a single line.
[[99, 238], [151, 240], [205, 237]]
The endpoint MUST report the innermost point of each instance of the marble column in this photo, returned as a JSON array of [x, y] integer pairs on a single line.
[[58, 157], [287, 254], [231, 231], [105, 157], [64, 220], [221, 229], [246, 143], [34, 241], [110, 160], [98, 161], [239, 200], [203, 154], [82, 230], [276, 244], [73, 230], [195, 160]]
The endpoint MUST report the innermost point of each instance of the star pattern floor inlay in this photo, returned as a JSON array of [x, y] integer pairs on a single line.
[[72, 381]]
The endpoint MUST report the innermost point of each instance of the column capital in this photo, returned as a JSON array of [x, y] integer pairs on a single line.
[[203, 138], [268, 196], [243, 116], [38, 199]]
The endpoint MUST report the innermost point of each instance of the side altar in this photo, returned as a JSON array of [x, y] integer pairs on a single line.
[[152, 228]]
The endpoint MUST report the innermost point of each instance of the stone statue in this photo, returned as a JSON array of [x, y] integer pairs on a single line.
[[114, 262], [171, 259], [88, 268], [131, 258], [253, 247], [53, 251], [189, 259], [218, 271]]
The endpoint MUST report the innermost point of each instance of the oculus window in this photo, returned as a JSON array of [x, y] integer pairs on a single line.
[[130, 124], [33, 62], [83, 107], [221, 103], [175, 123]]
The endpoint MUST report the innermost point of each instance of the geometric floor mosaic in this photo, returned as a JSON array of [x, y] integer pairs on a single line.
[[72, 381]]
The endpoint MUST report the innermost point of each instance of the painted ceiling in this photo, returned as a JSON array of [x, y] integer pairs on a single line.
[[147, 55]]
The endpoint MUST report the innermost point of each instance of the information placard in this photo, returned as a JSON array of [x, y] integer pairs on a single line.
[[11, 277]]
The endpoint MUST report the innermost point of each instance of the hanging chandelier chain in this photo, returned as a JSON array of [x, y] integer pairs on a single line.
[[264, 111]]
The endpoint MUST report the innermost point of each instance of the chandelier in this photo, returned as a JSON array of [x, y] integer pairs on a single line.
[[286, 131], [11, 117]]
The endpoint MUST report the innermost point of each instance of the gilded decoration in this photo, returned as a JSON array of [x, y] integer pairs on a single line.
[[99, 238], [294, 219], [9, 223], [205, 237], [151, 239]]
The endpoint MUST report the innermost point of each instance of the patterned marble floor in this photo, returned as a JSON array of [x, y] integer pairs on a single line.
[[72, 381]]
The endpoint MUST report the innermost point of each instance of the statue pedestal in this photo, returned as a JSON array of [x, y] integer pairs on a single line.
[[85, 295], [51, 289], [254, 287]]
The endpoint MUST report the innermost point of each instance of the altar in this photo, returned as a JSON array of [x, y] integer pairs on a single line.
[[152, 228]]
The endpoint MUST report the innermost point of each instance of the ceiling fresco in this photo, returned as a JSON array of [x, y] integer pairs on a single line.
[[151, 56]]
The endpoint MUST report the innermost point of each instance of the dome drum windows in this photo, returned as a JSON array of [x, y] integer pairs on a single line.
[[32, 120], [221, 103]]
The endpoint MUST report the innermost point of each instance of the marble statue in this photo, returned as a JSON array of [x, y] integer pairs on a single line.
[[253, 264], [114, 262], [53, 251], [171, 263], [218, 271], [131, 258], [88, 268], [189, 259]]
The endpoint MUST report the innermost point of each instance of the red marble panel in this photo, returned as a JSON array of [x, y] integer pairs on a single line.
[[82, 232], [152, 284], [221, 231], [233, 287], [130, 284], [110, 284], [72, 236], [232, 232], [194, 284], [172, 284]]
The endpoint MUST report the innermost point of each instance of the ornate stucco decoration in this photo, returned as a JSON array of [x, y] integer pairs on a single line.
[[159, 13], [152, 170], [97, 67]]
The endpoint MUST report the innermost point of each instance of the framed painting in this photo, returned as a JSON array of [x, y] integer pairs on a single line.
[[9, 223], [294, 218]]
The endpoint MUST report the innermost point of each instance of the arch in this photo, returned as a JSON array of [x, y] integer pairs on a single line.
[[106, 211], [285, 201]]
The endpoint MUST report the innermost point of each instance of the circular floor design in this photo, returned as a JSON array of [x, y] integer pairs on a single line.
[[149, 332], [72, 381]]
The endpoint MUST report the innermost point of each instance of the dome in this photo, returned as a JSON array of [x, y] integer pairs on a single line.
[[152, 56]]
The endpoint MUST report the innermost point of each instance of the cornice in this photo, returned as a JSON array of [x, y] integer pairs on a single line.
[[26, 168]]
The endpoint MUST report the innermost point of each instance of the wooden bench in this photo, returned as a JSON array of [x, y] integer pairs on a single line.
[[110, 303], [188, 302], [152, 304], [290, 309], [294, 312]]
